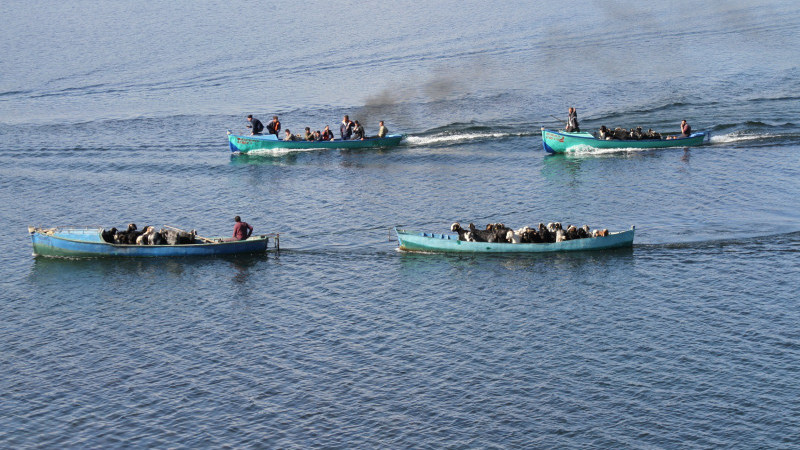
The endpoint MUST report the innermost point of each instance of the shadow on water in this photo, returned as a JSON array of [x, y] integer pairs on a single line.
[[416, 263], [369, 150], [243, 268], [265, 159], [299, 157], [568, 165], [686, 155], [67, 270], [561, 166], [782, 242]]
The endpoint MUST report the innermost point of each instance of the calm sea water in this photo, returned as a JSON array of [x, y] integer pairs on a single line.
[[116, 112]]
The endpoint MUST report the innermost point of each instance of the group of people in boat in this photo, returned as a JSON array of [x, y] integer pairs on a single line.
[[552, 232], [148, 236], [348, 130]]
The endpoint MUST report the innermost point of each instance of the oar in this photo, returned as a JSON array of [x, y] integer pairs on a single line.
[[204, 239], [560, 120]]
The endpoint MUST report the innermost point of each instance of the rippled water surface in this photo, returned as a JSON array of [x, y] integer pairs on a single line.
[[115, 113]]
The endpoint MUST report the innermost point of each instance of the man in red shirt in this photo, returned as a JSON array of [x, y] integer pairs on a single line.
[[242, 230]]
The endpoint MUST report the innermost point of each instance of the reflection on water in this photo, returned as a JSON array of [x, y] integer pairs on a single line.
[[66, 270], [292, 157], [367, 150], [561, 167], [264, 159], [415, 263], [242, 267]]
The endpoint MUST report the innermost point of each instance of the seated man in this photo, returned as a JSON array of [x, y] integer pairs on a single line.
[[309, 136], [289, 135], [382, 130], [327, 134], [686, 129], [358, 131], [241, 230], [274, 127]]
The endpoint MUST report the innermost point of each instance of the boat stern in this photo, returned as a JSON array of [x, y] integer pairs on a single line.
[[399, 232]]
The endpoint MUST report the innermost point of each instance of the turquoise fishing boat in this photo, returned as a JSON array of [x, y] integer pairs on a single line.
[[561, 141], [85, 242], [431, 242], [267, 142]]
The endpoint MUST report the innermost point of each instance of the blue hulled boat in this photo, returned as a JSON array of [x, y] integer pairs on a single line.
[[562, 141], [432, 242], [267, 142], [83, 242]]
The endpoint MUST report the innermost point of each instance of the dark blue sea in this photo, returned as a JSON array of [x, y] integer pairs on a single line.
[[116, 112]]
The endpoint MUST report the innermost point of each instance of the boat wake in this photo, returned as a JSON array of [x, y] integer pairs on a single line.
[[588, 150], [741, 136], [453, 138], [279, 151]]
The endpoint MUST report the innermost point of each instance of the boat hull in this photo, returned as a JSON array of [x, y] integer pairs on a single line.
[[73, 242], [246, 144], [561, 142], [430, 242]]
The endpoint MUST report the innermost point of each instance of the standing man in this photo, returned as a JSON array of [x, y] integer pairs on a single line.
[[572, 121], [241, 230], [346, 128], [255, 124], [274, 126], [382, 131]]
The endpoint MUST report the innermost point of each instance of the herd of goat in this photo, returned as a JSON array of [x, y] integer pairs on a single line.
[[634, 134], [494, 232], [148, 236], [552, 232]]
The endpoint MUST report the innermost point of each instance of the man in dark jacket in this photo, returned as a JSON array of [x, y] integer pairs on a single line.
[[572, 121], [346, 128], [255, 124], [358, 131], [274, 127]]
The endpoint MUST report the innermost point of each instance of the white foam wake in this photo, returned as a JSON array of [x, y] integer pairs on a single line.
[[282, 151], [586, 149], [452, 138], [739, 136]]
